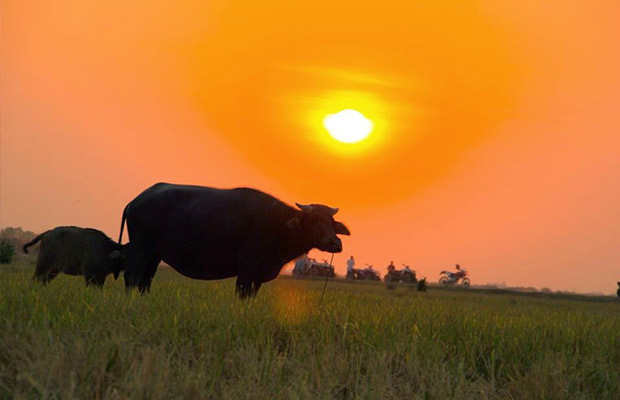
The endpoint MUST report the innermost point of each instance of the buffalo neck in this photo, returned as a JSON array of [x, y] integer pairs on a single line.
[[293, 242]]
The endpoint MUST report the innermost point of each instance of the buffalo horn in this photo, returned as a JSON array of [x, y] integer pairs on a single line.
[[304, 207]]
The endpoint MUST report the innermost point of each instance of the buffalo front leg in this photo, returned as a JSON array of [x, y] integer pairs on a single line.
[[244, 287], [248, 282], [255, 287], [247, 287]]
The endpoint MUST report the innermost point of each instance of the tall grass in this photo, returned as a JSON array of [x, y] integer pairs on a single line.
[[195, 340]]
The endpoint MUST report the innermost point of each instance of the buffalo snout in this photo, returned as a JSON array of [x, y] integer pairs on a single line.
[[333, 245]]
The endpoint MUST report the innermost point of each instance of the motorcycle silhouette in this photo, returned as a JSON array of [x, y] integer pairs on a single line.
[[367, 274], [404, 275], [452, 278]]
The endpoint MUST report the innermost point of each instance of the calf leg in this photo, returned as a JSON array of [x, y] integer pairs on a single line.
[[96, 280], [51, 275], [42, 272]]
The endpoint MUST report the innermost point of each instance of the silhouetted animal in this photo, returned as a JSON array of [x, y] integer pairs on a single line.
[[207, 233], [76, 251]]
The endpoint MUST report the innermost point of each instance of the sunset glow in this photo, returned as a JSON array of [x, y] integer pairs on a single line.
[[477, 132]]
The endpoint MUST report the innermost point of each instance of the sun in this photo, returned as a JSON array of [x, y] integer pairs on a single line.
[[348, 126]]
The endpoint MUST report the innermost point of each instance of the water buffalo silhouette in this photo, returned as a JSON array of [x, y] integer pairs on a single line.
[[76, 251], [207, 233]]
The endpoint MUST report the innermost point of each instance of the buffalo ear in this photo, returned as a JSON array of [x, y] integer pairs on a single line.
[[341, 229]]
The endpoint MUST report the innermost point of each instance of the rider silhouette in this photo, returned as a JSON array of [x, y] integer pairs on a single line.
[[351, 265]]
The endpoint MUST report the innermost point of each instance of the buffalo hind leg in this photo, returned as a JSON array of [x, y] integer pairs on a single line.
[[144, 283], [138, 262]]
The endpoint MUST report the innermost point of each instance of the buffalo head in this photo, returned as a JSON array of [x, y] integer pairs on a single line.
[[117, 261], [317, 222]]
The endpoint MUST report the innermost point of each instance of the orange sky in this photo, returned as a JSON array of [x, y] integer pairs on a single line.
[[496, 139]]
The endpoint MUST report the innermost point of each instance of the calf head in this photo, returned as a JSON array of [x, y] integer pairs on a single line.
[[319, 227]]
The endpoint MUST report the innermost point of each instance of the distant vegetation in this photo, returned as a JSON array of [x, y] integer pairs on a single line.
[[11, 242], [7, 251], [16, 237], [195, 340]]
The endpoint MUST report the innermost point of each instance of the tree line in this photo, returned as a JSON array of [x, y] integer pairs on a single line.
[[11, 240]]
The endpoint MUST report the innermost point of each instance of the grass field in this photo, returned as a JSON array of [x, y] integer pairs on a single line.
[[193, 340]]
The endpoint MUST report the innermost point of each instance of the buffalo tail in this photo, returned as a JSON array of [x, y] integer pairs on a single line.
[[120, 237], [33, 241]]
